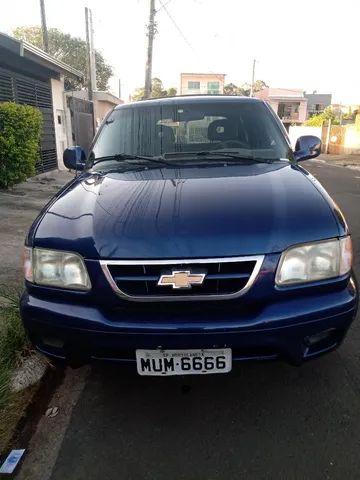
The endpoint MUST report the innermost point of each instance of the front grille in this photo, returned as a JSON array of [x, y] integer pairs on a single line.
[[224, 278]]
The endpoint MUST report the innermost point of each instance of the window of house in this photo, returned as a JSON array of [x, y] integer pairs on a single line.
[[60, 118], [283, 110], [193, 85], [213, 88], [288, 110]]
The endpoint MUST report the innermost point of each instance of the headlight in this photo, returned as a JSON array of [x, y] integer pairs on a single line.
[[55, 268], [316, 261]]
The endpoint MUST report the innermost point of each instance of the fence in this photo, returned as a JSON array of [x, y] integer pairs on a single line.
[[342, 139]]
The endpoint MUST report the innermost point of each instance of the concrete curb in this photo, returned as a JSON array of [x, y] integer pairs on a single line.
[[345, 161], [46, 442], [30, 372], [351, 166]]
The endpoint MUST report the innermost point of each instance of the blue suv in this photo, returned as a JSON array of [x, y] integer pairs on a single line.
[[190, 239]]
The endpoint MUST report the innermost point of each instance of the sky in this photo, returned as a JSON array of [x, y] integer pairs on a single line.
[[306, 44]]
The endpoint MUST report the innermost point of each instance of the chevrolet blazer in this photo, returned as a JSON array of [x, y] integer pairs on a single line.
[[191, 238]]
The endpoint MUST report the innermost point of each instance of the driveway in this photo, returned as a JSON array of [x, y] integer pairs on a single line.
[[262, 421], [19, 207]]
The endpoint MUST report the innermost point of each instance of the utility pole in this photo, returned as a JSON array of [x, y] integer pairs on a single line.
[[92, 53], [340, 115], [91, 67], [150, 35], [44, 27], [89, 85], [119, 88], [328, 133], [253, 79]]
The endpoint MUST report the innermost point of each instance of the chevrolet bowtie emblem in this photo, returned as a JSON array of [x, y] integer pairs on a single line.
[[181, 279]]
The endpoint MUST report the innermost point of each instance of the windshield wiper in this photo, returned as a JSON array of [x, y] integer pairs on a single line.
[[227, 154], [125, 157], [235, 156]]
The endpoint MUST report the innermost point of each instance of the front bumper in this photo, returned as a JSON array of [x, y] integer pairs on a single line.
[[285, 329]]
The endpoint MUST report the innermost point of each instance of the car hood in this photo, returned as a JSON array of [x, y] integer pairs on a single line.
[[187, 212]]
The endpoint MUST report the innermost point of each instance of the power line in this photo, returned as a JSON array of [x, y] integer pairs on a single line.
[[176, 25], [163, 7]]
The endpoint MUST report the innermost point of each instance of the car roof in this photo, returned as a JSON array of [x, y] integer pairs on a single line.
[[189, 99]]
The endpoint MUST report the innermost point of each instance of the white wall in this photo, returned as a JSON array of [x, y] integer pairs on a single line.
[[274, 105], [297, 131], [57, 89]]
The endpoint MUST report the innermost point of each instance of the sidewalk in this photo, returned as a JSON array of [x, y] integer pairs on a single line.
[[19, 367], [19, 207], [351, 161]]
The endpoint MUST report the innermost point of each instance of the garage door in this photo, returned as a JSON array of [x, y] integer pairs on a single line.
[[28, 91]]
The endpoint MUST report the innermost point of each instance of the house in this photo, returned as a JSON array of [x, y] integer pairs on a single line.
[[103, 102], [341, 109], [289, 104], [84, 117], [317, 102], [30, 76], [202, 83]]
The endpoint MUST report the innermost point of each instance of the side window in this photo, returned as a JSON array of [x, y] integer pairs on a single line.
[[108, 140]]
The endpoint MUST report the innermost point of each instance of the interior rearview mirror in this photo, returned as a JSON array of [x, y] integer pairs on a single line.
[[307, 146], [74, 158]]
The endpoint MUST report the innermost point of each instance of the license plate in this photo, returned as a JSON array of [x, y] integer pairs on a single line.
[[183, 362]]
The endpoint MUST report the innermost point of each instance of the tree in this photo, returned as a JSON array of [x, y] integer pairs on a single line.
[[245, 89], [138, 94], [324, 117], [259, 85], [70, 50], [315, 120], [157, 91], [350, 116], [231, 89]]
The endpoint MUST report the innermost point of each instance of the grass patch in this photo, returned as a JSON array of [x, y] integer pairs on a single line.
[[14, 346]]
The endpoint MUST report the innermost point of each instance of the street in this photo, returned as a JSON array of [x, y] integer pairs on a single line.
[[262, 421]]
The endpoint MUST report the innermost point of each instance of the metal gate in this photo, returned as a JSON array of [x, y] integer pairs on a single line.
[[82, 122], [26, 90]]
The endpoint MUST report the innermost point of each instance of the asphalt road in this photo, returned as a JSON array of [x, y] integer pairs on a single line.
[[262, 421]]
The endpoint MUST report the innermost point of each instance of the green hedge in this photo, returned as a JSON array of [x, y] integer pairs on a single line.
[[20, 130]]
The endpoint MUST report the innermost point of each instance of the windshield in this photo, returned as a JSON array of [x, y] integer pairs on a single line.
[[154, 130]]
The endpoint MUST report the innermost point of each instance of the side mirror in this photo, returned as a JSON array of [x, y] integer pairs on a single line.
[[74, 158], [307, 147]]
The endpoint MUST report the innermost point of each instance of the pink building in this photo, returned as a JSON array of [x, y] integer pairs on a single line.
[[202, 83], [289, 104]]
